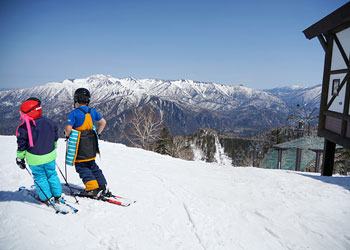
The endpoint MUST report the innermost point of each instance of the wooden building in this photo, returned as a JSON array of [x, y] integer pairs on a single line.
[[333, 32]]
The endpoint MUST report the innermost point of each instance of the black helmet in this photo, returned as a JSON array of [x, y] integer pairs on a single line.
[[82, 96]]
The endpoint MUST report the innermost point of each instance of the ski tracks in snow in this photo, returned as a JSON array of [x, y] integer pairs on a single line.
[[195, 212], [177, 201], [194, 229]]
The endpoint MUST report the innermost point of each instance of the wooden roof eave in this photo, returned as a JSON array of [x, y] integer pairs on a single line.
[[331, 22]]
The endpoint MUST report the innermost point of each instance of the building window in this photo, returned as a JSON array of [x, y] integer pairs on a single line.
[[336, 83]]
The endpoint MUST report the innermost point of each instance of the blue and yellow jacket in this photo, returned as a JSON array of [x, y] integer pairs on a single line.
[[45, 142]]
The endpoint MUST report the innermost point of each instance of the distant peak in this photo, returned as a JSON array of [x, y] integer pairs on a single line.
[[295, 87], [99, 76], [129, 78]]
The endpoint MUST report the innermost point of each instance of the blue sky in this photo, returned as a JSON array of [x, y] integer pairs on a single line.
[[259, 44]]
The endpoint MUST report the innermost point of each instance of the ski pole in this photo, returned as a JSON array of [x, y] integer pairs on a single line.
[[36, 183], [71, 191]]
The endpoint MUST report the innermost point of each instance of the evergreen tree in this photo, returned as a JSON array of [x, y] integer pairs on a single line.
[[276, 136], [342, 161], [164, 143]]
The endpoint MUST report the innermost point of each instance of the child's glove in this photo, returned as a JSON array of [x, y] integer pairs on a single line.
[[66, 136], [21, 163]]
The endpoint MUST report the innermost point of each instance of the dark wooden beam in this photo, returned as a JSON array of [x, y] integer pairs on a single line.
[[298, 159], [330, 22], [334, 137], [325, 81], [317, 162], [323, 42], [279, 158], [337, 115], [341, 49], [318, 152], [340, 71], [346, 109], [328, 158], [343, 26]]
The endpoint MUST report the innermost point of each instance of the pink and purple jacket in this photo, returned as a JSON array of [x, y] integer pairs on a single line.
[[44, 137]]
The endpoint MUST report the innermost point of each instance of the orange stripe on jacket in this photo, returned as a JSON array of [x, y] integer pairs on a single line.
[[87, 125]]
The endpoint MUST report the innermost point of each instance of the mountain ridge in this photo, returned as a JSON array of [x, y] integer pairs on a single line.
[[187, 104]]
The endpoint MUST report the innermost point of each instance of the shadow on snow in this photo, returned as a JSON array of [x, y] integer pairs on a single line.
[[22, 196], [343, 181]]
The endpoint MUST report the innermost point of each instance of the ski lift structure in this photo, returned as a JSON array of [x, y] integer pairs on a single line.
[[302, 116], [333, 33]]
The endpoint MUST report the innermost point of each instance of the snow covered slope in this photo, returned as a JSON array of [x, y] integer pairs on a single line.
[[180, 205]]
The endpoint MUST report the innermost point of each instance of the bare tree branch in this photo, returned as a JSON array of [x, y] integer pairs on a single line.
[[144, 127]]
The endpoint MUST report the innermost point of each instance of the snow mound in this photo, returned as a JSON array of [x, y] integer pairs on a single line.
[[180, 205]]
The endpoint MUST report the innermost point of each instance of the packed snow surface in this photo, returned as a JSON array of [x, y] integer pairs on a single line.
[[180, 205]]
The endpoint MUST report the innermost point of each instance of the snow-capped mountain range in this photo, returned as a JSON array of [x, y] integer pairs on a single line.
[[186, 104]]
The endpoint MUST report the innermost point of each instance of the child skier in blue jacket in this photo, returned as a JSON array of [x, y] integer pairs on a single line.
[[37, 142], [82, 119]]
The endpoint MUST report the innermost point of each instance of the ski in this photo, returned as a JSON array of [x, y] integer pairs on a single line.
[[114, 199], [58, 208], [117, 201], [122, 200], [64, 202]]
